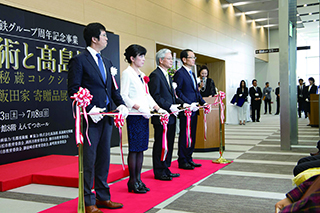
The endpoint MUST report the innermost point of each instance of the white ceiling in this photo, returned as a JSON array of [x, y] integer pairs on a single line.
[[267, 10]]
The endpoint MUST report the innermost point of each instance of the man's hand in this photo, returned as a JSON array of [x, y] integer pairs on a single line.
[[185, 105], [162, 111], [123, 110], [174, 109], [282, 203], [194, 107], [206, 104], [96, 118]]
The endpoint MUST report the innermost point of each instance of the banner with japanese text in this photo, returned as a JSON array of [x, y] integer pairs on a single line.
[[35, 113]]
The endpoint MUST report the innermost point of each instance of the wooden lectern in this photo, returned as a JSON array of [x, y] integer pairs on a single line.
[[314, 110], [213, 132]]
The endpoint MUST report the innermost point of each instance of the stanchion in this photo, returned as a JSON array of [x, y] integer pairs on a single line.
[[81, 208], [221, 159]]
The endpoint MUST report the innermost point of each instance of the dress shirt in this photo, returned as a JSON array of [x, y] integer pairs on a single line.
[[165, 73], [192, 78], [93, 53], [133, 91]]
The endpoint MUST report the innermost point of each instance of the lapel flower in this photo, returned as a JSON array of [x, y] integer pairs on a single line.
[[113, 71], [146, 79]]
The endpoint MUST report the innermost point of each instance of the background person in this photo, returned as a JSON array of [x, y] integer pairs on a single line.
[[242, 92], [255, 94], [301, 100], [277, 92], [267, 98], [206, 86], [162, 91], [311, 89], [134, 92], [92, 71]]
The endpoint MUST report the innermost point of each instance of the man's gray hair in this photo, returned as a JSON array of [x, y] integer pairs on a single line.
[[161, 54]]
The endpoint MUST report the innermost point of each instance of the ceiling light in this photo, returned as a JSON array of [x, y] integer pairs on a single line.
[[298, 14], [252, 12], [299, 22], [261, 19], [310, 14], [270, 25], [305, 5]]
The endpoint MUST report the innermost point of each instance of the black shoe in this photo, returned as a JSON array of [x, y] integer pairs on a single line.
[[163, 177], [276, 114], [135, 188], [174, 175], [265, 113], [186, 166], [258, 120], [195, 164], [143, 186]]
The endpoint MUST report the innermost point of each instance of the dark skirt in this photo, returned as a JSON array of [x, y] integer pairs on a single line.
[[138, 133]]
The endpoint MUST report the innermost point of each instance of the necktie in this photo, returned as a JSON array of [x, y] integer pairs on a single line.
[[167, 77], [103, 73], [194, 83]]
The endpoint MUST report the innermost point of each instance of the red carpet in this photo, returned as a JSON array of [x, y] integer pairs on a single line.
[[159, 190], [59, 170]]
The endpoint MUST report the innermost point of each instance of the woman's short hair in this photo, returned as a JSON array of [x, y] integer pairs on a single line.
[[311, 79], [134, 50], [203, 67]]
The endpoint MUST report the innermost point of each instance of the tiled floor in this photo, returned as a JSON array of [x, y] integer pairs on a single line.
[[260, 175]]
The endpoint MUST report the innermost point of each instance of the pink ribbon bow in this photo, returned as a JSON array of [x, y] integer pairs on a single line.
[[164, 120], [206, 110], [82, 99], [188, 113], [219, 100], [119, 122], [146, 81]]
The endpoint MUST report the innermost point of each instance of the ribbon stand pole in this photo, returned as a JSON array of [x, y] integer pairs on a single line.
[[221, 160], [81, 206]]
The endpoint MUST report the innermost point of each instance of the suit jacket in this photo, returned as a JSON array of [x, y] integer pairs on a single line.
[[267, 93], [163, 94], [300, 93], [307, 92], [243, 94], [133, 90], [277, 92], [84, 72], [185, 89], [253, 92]]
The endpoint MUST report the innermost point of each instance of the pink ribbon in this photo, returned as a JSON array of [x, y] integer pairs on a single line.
[[82, 99], [119, 122], [115, 83], [219, 100], [206, 110], [164, 120], [188, 113]]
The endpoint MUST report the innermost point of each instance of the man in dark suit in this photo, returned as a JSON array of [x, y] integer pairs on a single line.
[[188, 92], [92, 71], [255, 94], [277, 92], [162, 91], [311, 89], [301, 100]]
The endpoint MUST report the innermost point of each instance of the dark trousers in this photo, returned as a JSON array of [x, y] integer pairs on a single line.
[[255, 108], [184, 153], [96, 161], [306, 163], [301, 107], [278, 105], [162, 167], [266, 103]]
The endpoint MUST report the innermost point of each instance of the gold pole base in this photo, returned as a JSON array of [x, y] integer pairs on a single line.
[[221, 160]]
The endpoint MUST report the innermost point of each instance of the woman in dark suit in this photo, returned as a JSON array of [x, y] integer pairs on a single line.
[[242, 93], [206, 85], [311, 89]]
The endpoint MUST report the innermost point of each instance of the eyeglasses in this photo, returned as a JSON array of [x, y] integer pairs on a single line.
[[192, 58], [169, 59]]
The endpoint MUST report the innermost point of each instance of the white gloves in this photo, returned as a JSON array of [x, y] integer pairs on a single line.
[[174, 109], [123, 110], [194, 107], [206, 105], [162, 111], [307, 100], [185, 105], [98, 117], [146, 111]]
